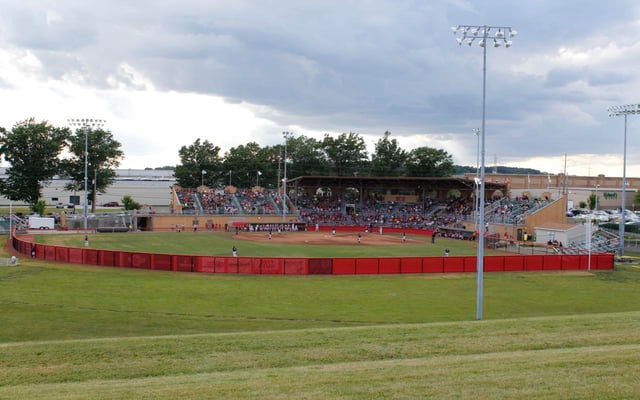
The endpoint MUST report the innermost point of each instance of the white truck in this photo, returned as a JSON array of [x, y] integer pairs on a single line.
[[41, 222]]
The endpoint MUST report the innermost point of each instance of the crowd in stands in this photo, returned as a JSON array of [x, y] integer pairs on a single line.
[[224, 201], [256, 202], [185, 196], [512, 211], [327, 209], [323, 210], [217, 202]]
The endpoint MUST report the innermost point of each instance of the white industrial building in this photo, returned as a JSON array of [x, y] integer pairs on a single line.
[[145, 186]]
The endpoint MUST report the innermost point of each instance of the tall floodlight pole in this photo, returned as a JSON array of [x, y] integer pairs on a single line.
[[617, 111], [476, 132], [86, 124], [284, 180], [501, 35]]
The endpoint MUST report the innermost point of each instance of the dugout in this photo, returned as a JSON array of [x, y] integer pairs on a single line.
[[275, 226]]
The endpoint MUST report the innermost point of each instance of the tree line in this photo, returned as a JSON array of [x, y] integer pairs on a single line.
[[37, 152], [250, 164]]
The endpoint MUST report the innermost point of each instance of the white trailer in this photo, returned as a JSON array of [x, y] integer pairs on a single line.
[[41, 222]]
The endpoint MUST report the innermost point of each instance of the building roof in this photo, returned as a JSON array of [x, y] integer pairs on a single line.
[[556, 226], [394, 181]]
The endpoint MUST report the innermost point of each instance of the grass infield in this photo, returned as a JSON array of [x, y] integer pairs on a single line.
[[70, 331]]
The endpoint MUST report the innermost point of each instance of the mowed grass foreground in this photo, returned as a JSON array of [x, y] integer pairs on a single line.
[[82, 332]]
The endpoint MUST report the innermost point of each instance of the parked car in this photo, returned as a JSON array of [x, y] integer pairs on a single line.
[[629, 216], [111, 204], [600, 216], [576, 212]]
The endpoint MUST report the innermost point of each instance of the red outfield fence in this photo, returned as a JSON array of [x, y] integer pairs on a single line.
[[311, 266]]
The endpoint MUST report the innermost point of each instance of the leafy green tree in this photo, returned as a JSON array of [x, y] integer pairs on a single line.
[[389, 158], [103, 157], [636, 198], [306, 157], [200, 164], [271, 166], [426, 161], [129, 204], [245, 161], [592, 201], [346, 154], [32, 149], [40, 206]]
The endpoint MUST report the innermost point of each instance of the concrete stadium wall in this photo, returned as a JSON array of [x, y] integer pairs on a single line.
[[308, 266]]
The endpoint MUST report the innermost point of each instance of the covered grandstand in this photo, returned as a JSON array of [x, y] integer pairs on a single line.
[[350, 192], [419, 203]]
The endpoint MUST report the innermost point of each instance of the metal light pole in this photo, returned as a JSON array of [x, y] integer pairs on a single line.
[[501, 35], [596, 207], [476, 132], [284, 180], [617, 111], [86, 124], [95, 190]]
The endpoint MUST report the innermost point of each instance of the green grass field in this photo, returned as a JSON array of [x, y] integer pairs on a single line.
[[220, 243], [83, 332]]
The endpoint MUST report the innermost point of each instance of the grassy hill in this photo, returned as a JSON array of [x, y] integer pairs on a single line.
[[69, 331]]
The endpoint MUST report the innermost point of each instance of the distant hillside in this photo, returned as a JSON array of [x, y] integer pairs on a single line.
[[463, 169]]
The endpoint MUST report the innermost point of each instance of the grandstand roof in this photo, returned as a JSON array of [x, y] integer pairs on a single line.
[[400, 182]]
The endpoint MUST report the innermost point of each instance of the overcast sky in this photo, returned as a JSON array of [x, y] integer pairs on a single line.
[[165, 73]]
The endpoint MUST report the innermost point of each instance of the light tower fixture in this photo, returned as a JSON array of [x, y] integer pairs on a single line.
[[616, 111], [500, 35], [86, 124]]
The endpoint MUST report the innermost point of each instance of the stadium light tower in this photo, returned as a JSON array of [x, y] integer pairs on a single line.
[[500, 35], [286, 135], [617, 111], [86, 124]]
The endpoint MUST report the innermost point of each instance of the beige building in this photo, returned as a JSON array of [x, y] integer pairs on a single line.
[[564, 192], [577, 188]]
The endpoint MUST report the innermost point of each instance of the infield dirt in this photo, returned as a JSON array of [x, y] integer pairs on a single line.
[[327, 238]]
